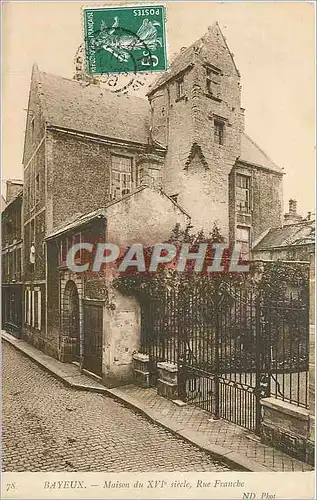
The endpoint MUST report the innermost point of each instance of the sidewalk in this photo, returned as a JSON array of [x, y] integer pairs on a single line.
[[226, 441]]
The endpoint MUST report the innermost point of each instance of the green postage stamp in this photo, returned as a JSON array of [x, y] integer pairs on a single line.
[[125, 39]]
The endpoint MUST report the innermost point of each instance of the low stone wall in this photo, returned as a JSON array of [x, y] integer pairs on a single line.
[[287, 427]]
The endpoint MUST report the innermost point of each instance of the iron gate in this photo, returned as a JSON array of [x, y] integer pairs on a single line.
[[220, 369], [228, 350]]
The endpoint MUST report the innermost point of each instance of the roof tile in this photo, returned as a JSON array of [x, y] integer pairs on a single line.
[[294, 234], [252, 153], [93, 109]]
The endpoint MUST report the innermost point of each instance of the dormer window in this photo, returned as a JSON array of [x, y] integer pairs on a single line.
[[180, 90]]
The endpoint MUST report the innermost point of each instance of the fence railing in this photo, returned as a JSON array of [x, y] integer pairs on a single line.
[[254, 334]]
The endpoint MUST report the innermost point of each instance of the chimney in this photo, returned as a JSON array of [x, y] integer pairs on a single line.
[[292, 217], [292, 207], [13, 188]]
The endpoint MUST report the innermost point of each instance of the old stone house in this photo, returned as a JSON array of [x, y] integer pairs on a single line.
[[294, 241], [11, 255], [127, 169]]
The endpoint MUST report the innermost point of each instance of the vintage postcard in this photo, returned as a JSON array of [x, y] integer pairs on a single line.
[[158, 250]]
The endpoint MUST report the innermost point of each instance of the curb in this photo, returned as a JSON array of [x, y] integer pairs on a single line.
[[58, 376], [224, 455]]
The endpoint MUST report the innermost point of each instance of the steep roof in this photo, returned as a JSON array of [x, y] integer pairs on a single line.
[[302, 233], [94, 110], [101, 213], [185, 58], [78, 221], [253, 154], [182, 61]]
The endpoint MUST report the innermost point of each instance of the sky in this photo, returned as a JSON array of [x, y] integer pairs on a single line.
[[273, 46]]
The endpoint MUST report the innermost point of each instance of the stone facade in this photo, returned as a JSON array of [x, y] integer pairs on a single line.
[[119, 316], [199, 170], [285, 426], [12, 270]]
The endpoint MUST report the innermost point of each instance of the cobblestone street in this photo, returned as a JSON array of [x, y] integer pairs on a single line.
[[49, 427]]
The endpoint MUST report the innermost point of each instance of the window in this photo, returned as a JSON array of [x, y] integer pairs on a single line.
[[63, 253], [76, 239], [29, 201], [32, 129], [219, 132], [180, 91], [65, 245], [19, 273], [11, 265], [122, 176], [29, 307], [3, 266], [140, 174], [32, 245], [213, 80], [37, 188], [33, 308], [243, 193], [7, 267], [243, 238], [37, 309], [26, 305]]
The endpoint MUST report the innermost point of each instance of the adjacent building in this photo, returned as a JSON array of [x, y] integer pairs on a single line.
[[12, 274], [295, 240]]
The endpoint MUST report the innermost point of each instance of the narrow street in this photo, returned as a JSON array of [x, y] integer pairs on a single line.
[[50, 427]]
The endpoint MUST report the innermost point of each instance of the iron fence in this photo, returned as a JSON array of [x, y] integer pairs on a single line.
[[232, 344]]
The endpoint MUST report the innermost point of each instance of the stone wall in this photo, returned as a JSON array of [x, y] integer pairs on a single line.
[[53, 301], [285, 426], [267, 207], [82, 167], [146, 217], [34, 218]]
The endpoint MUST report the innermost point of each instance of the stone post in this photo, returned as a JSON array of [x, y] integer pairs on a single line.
[[141, 369], [167, 381]]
